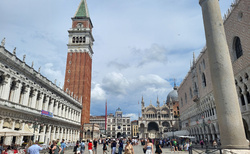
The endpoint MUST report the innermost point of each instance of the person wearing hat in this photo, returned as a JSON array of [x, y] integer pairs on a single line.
[[90, 147], [82, 145]]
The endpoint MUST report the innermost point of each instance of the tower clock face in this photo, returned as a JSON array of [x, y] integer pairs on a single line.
[[119, 115], [119, 127]]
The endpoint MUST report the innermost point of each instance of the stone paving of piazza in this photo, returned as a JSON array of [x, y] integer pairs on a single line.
[[138, 150]]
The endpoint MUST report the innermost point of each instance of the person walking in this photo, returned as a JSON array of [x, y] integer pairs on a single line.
[[51, 145], [113, 147], [149, 147], [120, 146], [158, 149], [56, 149], [90, 147], [95, 146], [129, 148], [215, 144], [35, 148], [201, 143], [63, 146], [104, 148], [1, 148], [82, 145]]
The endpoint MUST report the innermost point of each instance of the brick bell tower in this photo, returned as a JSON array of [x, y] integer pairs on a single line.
[[79, 59]]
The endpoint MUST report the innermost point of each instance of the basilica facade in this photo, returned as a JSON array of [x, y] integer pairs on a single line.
[[157, 120], [196, 93]]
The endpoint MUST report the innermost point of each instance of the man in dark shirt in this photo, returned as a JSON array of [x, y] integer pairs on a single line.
[[95, 147]]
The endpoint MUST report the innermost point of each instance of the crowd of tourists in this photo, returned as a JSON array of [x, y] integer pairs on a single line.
[[54, 147], [113, 146]]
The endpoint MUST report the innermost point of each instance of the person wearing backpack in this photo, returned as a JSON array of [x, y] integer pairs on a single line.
[[82, 145]]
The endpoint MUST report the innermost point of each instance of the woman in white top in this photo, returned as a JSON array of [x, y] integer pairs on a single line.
[[149, 147]]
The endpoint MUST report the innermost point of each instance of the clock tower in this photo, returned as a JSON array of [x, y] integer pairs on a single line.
[[79, 59]]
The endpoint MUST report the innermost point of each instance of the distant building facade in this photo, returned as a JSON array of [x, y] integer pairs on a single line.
[[91, 131], [158, 120], [118, 126], [134, 129], [31, 105], [99, 120], [197, 104]]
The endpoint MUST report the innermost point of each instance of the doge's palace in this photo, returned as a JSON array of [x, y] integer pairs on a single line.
[[32, 106]]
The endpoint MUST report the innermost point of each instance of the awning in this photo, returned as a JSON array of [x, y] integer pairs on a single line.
[[9, 132], [186, 137], [177, 133]]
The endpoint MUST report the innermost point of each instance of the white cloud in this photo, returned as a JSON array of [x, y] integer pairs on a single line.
[[115, 83], [49, 71], [132, 116], [97, 93]]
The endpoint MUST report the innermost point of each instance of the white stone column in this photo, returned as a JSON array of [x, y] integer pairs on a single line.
[[55, 112], [60, 109], [17, 92], [20, 138], [8, 139], [51, 105], [37, 132], [48, 134], [68, 134], [1, 124], [46, 103], [229, 115], [33, 99], [69, 113], [40, 101], [73, 115], [57, 133], [26, 95], [53, 134], [62, 133], [42, 134], [5, 88], [245, 98], [66, 111], [63, 110]]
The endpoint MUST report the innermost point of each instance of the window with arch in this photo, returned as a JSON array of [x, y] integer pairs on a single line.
[[242, 97], [204, 64], [190, 92], [204, 83], [237, 47], [246, 76], [185, 98], [247, 94]]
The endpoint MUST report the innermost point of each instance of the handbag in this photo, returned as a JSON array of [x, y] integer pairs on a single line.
[[144, 150]]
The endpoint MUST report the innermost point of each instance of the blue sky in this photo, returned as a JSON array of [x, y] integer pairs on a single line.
[[140, 46]]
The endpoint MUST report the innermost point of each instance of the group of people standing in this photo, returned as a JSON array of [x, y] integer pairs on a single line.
[[80, 147], [117, 146]]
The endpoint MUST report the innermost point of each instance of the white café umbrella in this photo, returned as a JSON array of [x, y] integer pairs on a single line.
[[9, 132]]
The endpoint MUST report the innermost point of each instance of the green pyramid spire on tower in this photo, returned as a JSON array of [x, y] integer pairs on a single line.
[[82, 10]]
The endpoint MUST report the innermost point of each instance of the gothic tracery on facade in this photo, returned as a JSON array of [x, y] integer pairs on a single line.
[[199, 116], [158, 120]]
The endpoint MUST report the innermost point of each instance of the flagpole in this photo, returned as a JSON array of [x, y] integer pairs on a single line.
[[106, 118]]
